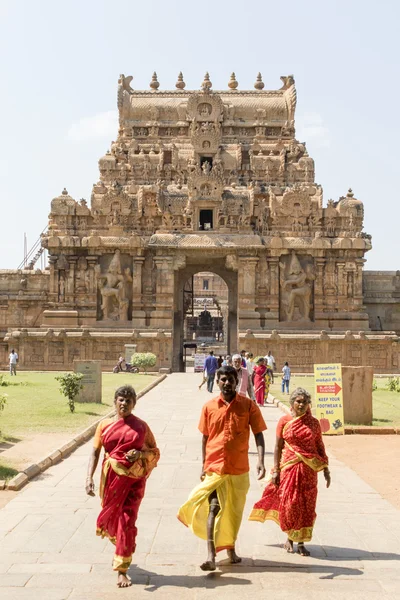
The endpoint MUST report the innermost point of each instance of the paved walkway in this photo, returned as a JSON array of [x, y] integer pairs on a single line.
[[49, 551]]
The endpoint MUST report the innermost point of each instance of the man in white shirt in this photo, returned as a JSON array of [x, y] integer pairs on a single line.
[[270, 360], [13, 358]]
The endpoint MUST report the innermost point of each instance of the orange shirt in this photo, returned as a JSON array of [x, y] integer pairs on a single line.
[[228, 429]]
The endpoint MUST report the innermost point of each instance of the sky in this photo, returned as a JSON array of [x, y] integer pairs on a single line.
[[61, 61]]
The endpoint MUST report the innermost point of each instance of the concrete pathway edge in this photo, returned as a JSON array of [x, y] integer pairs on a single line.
[[22, 478]]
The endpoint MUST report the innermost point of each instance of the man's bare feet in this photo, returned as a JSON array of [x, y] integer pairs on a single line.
[[123, 580], [208, 565], [233, 557], [302, 550], [288, 546]]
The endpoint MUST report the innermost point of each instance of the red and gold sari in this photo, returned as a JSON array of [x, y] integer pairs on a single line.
[[292, 504], [123, 483], [260, 383]]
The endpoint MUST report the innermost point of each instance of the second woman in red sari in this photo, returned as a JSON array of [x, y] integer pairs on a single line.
[[290, 496], [259, 381], [130, 456]]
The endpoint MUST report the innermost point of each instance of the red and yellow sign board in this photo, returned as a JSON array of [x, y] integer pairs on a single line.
[[329, 398]]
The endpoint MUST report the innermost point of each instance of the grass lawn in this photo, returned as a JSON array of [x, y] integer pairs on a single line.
[[386, 405], [35, 405]]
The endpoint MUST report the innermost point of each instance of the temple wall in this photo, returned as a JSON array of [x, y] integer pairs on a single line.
[[382, 299], [56, 350], [23, 294], [302, 350]]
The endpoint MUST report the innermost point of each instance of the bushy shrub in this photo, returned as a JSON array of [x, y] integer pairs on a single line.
[[374, 385], [393, 385], [70, 385], [3, 381], [143, 360]]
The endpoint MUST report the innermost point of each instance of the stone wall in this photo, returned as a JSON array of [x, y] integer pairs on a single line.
[[56, 350], [382, 299], [303, 349]]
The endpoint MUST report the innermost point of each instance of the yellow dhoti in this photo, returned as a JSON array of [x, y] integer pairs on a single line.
[[231, 491]]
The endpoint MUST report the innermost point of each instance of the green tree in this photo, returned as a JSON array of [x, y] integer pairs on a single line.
[[70, 385]]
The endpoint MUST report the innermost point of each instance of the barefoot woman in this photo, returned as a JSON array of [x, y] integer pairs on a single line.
[[290, 496], [130, 456], [215, 507]]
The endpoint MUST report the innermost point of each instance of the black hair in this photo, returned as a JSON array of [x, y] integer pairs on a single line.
[[286, 364], [126, 391], [227, 370], [211, 352]]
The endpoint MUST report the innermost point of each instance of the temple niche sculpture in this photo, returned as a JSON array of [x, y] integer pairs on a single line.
[[195, 181]]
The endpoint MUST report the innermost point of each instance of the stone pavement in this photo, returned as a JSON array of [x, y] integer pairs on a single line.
[[49, 551]]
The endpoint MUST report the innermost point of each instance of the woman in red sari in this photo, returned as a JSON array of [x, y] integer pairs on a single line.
[[260, 372], [290, 496], [130, 455]]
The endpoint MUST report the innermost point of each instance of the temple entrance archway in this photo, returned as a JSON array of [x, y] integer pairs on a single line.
[[214, 323]]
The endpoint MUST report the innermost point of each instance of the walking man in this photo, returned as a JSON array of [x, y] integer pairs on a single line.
[[13, 358], [215, 507], [270, 360], [210, 367]]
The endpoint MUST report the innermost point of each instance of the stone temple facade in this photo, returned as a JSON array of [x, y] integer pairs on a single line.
[[200, 181]]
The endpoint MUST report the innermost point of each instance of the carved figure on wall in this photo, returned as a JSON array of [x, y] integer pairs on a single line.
[[206, 167], [298, 288], [61, 286], [112, 286], [188, 214]]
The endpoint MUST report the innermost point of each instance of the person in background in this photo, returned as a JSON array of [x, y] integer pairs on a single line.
[[228, 361], [220, 361], [285, 377], [210, 367], [243, 357], [13, 358], [260, 371], [244, 384], [270, 361], [250, 364]]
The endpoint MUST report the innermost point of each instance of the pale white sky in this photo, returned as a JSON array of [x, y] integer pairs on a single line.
[[60, 63]]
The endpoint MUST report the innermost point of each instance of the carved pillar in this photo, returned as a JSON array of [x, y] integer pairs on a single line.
[[163, 315], [248, 317], [53, 278], [138, 315], [273, 300], [70, 280], [319, 286]]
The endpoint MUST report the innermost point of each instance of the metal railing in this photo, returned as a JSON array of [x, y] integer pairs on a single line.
[[34, 254]]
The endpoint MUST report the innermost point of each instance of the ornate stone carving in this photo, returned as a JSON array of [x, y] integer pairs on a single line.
[[296, 289], [113, 290]]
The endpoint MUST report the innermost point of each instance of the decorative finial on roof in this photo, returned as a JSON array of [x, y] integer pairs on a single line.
[[232, 82], [206, 85], [350, 193], [154, 82], [64, 192], [259, 84], [180, 84]]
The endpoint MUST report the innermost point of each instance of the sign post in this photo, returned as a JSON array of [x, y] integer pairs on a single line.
[[329, 398], [199, 360]]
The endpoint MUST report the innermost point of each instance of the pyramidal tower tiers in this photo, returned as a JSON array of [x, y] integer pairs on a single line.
[[206, 180]]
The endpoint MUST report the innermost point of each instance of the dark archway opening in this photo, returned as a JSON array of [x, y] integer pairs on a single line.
[[205, 220]]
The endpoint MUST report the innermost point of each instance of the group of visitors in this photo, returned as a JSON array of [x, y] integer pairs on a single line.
[[254, 377], [215, 507]]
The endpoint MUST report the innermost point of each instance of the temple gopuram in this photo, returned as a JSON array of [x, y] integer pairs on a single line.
[[204, 181]]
